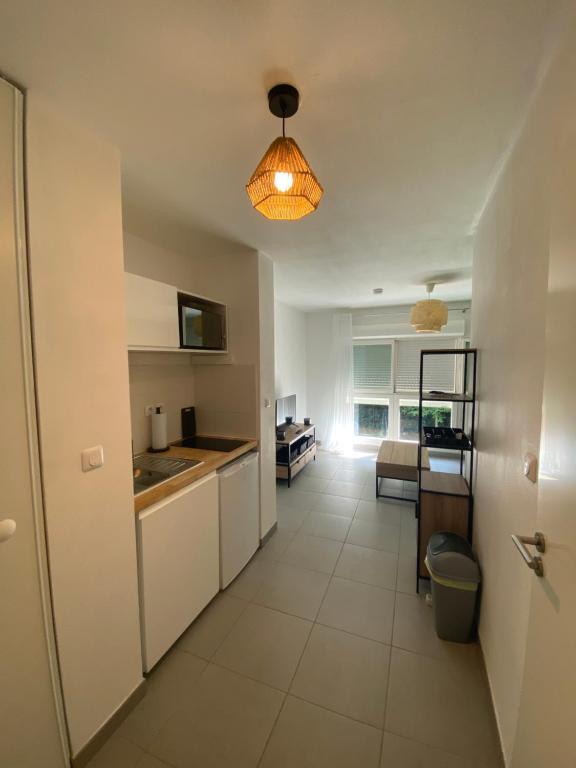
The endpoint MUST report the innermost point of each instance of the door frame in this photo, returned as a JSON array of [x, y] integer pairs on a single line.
[[29, 375]]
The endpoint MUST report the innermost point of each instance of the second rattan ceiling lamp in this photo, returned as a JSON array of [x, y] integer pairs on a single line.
[[283, 186]]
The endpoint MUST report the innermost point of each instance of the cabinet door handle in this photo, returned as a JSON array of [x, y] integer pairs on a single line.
[[534, 562]]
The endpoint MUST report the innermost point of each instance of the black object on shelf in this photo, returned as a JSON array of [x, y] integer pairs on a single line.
[[445, 437]]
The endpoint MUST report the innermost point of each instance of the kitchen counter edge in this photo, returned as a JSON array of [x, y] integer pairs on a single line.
[[212, 461]]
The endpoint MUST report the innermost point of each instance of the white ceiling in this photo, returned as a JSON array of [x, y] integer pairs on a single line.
[[407, 108]]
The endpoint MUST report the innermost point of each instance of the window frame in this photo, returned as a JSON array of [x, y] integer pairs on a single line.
[[391, 396], [371, 400], [376, 391]]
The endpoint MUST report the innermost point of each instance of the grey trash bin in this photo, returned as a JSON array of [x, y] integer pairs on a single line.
[[455, 579]]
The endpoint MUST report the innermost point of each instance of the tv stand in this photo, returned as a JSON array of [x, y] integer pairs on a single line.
[[295, 451]]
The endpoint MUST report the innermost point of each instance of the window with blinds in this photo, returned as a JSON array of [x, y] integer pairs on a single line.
[[373, 366], [439, 370]]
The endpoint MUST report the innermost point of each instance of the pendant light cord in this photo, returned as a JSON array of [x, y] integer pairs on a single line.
[[283, 131]]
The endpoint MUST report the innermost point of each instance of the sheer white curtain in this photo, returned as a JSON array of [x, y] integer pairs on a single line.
[[340, 432]]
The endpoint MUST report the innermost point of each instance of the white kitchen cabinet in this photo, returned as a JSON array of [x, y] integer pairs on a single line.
[[179, 564], [152, 313]]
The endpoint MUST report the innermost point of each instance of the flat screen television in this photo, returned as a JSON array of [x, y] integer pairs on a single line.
[[285, 406]]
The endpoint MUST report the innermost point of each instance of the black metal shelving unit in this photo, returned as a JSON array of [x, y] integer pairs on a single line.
[[460, 439]]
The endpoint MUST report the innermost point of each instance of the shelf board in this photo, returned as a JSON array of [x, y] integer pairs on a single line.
[[444, 482], [448, 397], [468, 351]]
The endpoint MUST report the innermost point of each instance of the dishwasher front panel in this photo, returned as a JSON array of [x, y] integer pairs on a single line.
[[239, 516]]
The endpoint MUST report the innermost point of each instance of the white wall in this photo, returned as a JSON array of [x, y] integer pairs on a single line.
[[290, 355], [508, 325], [320, 385], [266, 410], [76, 269], [169, 381]]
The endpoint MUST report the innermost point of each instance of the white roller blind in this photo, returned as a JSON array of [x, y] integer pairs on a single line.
[[439, 370], [372, 366]]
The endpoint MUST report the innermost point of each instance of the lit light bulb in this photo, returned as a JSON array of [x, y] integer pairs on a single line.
[[283, 181]]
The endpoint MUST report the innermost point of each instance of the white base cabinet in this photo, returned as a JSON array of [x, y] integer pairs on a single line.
[[179, 564]]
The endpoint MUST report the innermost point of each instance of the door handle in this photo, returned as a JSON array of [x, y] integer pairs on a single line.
[[534, 562], [7, 529]]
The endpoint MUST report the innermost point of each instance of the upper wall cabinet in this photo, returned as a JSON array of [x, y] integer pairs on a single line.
[[152, 314]]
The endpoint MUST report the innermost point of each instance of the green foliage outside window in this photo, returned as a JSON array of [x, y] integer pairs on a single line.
[[371, 420], [432, 416]]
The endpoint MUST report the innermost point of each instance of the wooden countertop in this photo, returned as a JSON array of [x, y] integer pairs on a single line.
[[212, 460]]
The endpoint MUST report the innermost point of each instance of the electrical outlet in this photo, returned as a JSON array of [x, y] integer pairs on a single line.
[[149, 409]]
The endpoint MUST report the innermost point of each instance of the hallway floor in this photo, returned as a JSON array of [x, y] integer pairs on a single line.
[[319, 655]]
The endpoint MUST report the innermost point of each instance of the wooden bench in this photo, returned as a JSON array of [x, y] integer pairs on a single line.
[[399, 461]]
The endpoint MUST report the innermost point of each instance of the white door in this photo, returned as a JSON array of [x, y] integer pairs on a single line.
[[546, 727], [30, 711]]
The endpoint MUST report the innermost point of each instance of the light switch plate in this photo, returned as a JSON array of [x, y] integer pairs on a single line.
[[92, 458]]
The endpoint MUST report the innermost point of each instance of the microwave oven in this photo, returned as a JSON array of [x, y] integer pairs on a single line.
[[202, 323]]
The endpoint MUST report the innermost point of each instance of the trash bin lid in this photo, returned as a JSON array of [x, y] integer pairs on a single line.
[[450, 557]]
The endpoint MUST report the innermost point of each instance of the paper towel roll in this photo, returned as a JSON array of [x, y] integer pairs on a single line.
[[159, 431]]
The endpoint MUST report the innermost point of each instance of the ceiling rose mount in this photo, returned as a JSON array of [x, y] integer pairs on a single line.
[[283, 100], [283, 187]]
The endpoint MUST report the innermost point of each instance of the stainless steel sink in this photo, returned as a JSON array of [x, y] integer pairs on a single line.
[[149, 471]]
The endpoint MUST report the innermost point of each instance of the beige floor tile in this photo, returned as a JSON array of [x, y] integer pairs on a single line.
[[293, 590], [376, 535], [170, 686], [307, 736], [414, 631], [326, 525], [276, 545], [379, 512], [312, 552], [225, 725], [370, 566], [117, 753], [406, 581], [212, 626], [344, 673], [358, 608], [326, 471], [408, 537], [408, 519], [248, 582], [265, 645], [336, 505], [363, 462], [441, 704], [149, 761], [398, 752], [291, 519], [358, 476], [369, 491], [306, 482], [290, 498], [348, 490]]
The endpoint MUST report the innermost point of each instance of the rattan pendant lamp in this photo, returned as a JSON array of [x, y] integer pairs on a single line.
[[430, 315], [283, 187]]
